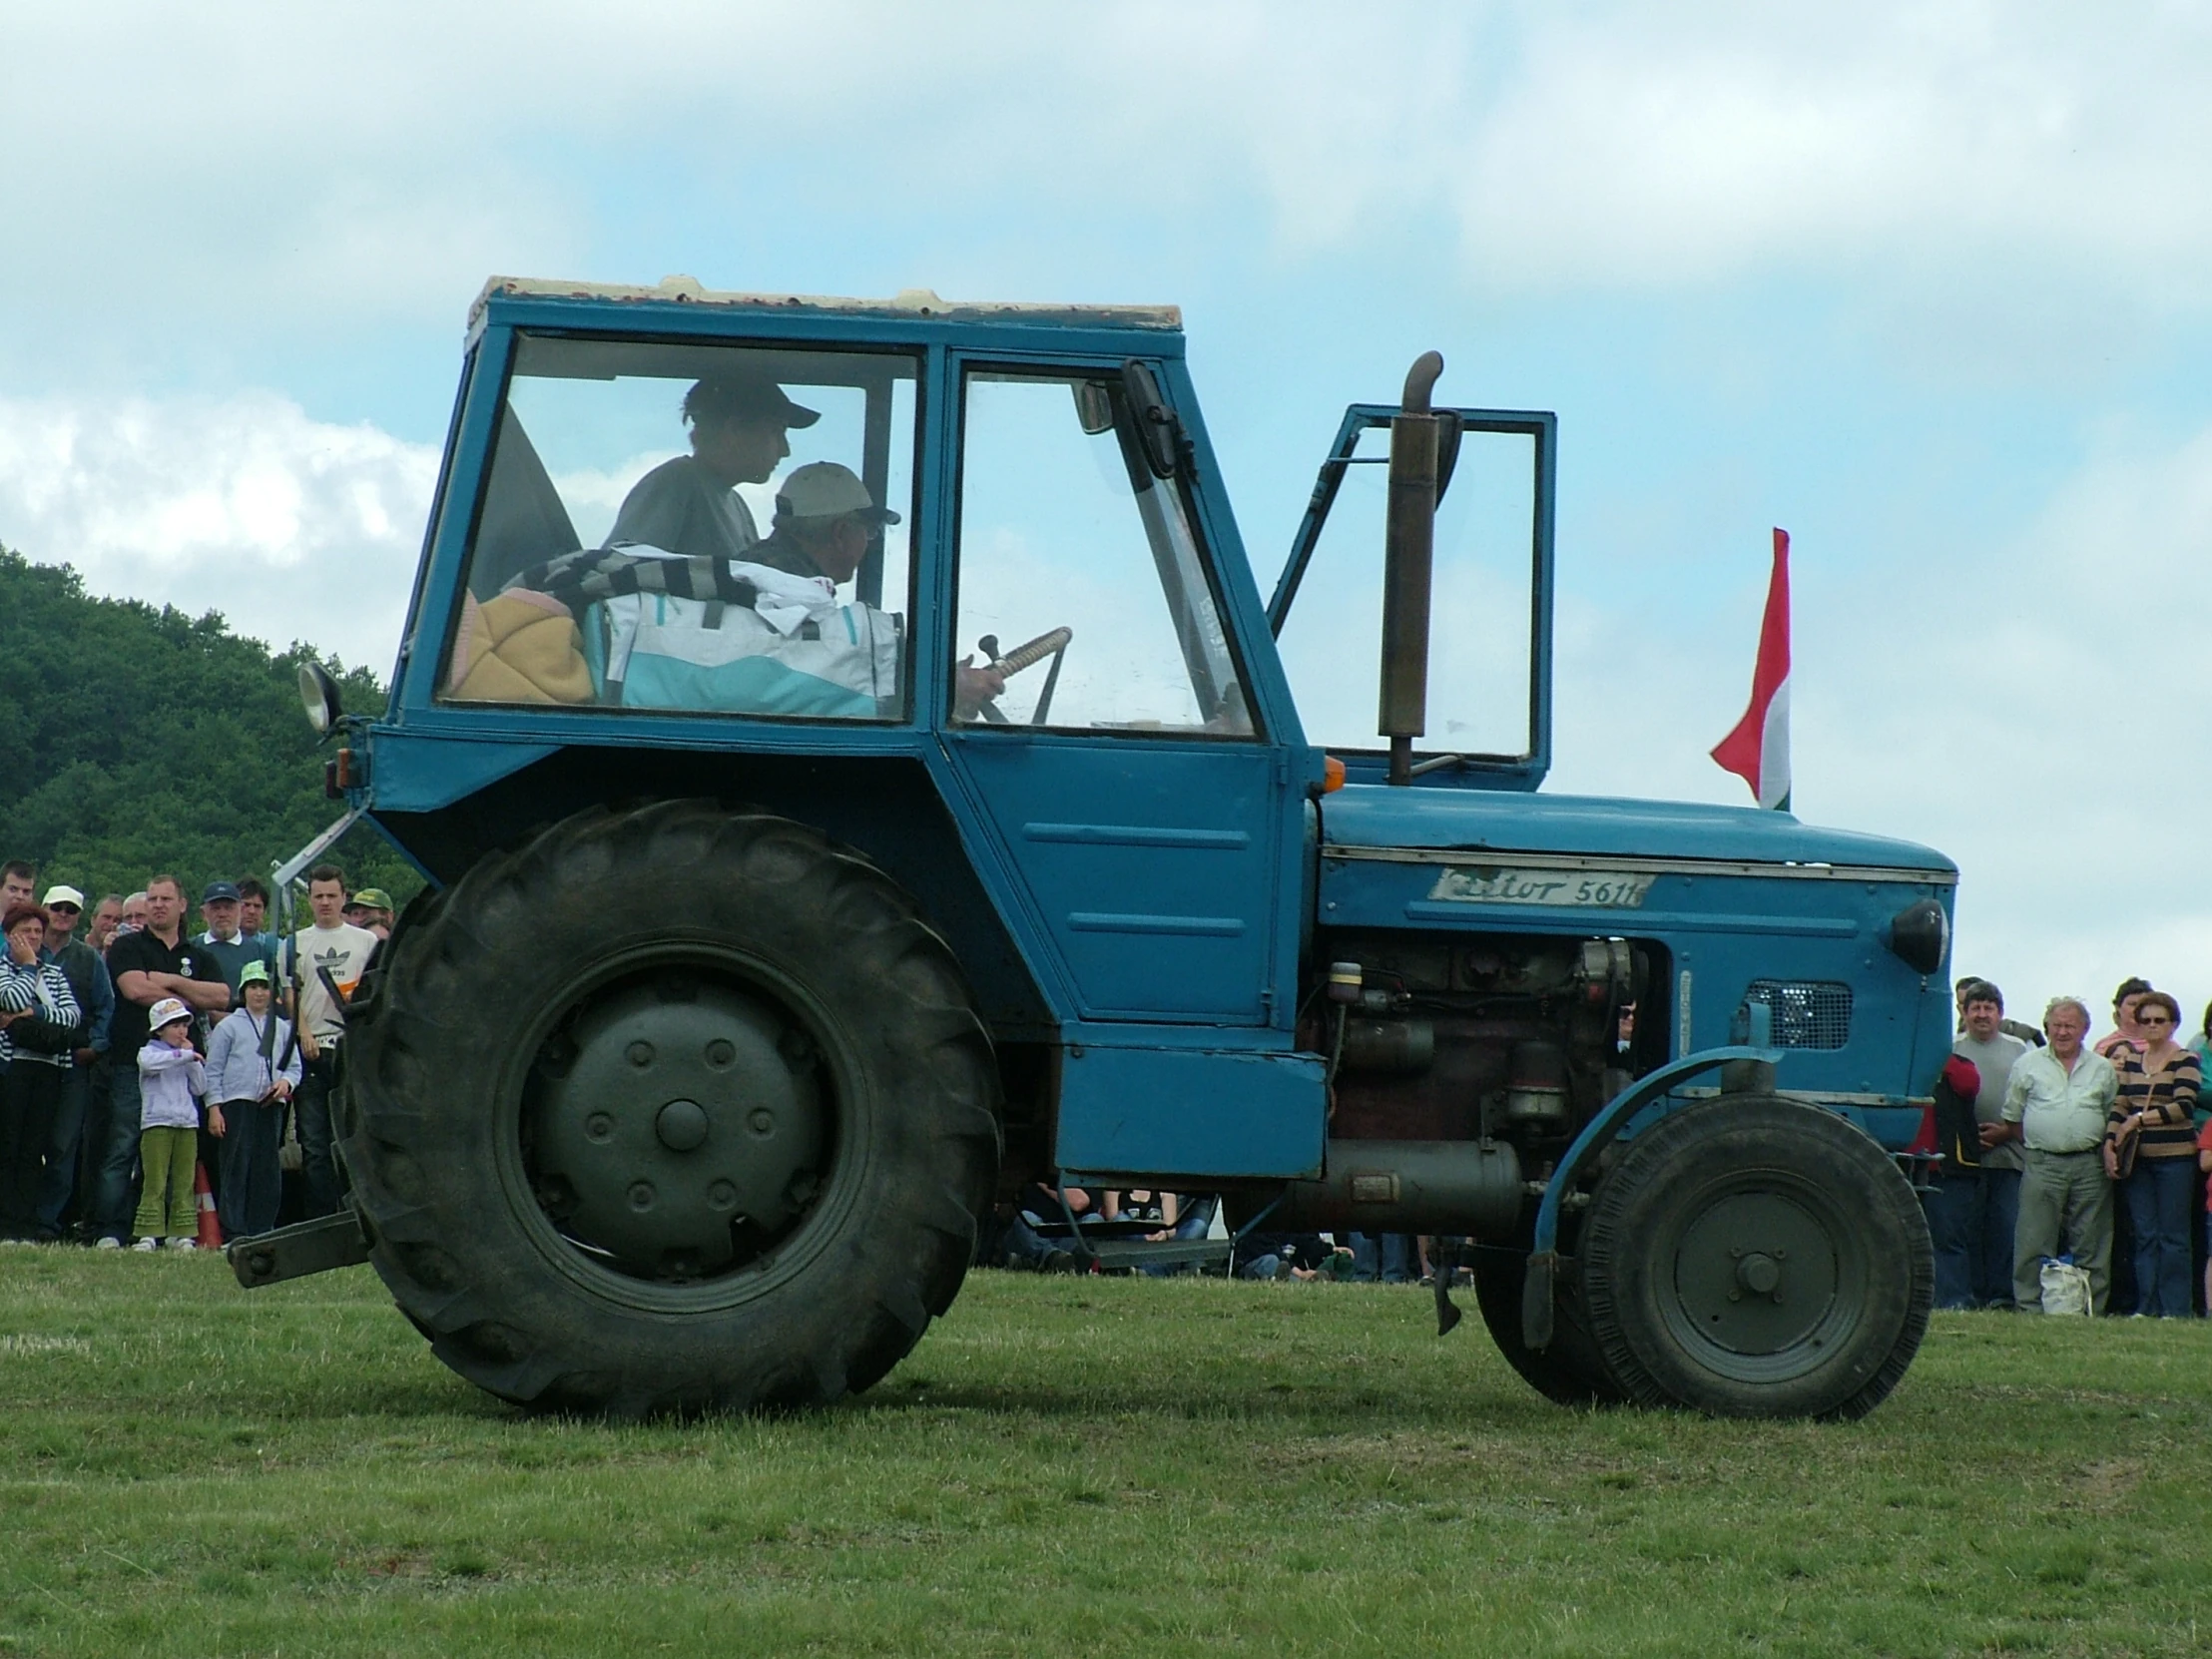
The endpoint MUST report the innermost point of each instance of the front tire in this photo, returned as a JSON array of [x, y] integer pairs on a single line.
[[1757, 1258], [1572, 1370], [672, 1109]]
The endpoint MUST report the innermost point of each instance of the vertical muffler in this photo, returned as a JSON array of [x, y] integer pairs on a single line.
[[1408, 560]]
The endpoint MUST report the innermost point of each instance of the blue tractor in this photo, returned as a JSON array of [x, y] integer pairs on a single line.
[[858, 780]]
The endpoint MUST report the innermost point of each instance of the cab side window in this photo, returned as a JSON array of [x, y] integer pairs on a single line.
[[1078, 569], [697, 528]]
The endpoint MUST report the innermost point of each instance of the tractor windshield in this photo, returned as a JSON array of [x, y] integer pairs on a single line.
[[1065, 526], [674, 525]]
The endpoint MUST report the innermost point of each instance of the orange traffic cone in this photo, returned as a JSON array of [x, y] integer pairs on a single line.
[[211, 1230]]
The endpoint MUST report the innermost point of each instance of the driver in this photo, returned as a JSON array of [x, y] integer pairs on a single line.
[[825, 520], [690, 505]]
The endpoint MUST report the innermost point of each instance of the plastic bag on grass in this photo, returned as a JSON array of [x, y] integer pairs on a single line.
[[2065, 1286]]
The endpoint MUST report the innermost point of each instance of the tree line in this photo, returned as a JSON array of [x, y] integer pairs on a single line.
[[136, 740]]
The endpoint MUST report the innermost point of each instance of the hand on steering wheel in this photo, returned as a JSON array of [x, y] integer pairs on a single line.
[[977, 689]]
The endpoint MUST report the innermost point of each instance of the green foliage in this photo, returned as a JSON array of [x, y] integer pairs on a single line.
[[135, 740], [1171, 1467]]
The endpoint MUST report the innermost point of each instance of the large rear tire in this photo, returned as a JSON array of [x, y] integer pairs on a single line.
[[672, 1109], [1758, 1257]]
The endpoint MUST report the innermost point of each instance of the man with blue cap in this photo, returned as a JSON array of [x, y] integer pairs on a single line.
[[230, 946]]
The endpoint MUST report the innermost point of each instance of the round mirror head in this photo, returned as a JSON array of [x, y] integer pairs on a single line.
[[319, 695]]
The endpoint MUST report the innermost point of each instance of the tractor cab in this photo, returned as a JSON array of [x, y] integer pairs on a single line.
[[1043, 694]]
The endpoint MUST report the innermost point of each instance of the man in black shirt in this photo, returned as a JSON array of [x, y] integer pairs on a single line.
[[159, 961], [690, 505]]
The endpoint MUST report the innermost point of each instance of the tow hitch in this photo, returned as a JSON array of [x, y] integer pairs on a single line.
[[294, 1251]]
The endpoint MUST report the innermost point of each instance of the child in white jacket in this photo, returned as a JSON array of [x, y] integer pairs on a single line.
[[170, 1078]]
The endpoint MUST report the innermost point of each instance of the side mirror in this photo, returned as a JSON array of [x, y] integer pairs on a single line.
[[1159, 433], [319, 695], [1094, 406]]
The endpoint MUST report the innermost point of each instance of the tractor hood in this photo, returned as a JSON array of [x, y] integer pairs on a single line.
[[1375, 815]]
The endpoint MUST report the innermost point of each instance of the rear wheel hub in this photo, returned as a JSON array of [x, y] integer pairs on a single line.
[[677, 1129]]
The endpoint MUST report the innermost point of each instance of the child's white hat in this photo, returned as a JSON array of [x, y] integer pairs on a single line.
[[168, 1011]]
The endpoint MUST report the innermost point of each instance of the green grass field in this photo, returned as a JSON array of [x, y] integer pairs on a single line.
[[1086, 1467]]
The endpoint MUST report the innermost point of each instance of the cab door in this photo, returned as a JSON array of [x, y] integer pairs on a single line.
[[1149, 823]]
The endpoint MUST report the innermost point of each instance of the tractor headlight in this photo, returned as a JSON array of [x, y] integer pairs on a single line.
[[319, 695], [1920, 934]]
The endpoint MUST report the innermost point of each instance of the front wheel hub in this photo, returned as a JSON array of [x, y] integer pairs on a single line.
[[677, 1129], [1756, 1273]]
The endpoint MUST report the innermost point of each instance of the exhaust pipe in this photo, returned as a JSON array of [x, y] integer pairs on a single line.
[[1453, 1186], [1409, 556]]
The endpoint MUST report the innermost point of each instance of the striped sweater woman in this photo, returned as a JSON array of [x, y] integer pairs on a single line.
[[2159, 1084]]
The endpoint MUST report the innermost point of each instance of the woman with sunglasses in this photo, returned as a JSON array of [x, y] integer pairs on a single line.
[[2158, 1090]]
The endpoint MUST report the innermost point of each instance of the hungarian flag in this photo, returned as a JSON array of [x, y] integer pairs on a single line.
[[1758, 751]]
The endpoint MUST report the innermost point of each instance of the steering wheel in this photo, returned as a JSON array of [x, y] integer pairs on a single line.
[[1053, 643]]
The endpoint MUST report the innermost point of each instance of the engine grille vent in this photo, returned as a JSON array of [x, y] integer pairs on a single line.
[[1808, 1014]]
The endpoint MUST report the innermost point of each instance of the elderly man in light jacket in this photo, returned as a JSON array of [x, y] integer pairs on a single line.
[[2055, 1102]]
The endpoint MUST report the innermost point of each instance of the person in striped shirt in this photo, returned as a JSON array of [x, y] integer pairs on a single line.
[[2158, 1091]]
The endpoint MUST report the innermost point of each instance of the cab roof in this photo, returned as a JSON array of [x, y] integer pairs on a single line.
[[907, 305]]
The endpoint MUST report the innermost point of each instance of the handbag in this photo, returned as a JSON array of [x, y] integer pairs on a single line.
[[791, 650], [2122, 1142], [2065, 1287], [39, 1032], [36, 1035]]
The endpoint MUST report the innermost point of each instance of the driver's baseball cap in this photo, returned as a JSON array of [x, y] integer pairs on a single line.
[[744, 398], [823, 490]]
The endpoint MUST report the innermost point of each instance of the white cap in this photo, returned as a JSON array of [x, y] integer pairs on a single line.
[[823, 490], [168, 1011], [63, 896]]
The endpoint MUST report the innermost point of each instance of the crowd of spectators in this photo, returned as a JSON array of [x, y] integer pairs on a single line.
[[2053, 1147], [145, 1055], [142, 1053]]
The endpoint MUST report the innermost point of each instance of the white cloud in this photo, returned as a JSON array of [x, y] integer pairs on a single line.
[[292, 528], [253, 162]]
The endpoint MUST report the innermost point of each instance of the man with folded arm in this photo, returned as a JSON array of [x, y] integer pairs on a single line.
[[158, 964], [1974, 1211]]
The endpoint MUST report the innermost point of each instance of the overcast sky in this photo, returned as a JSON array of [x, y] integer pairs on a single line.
[[1924, 285]]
